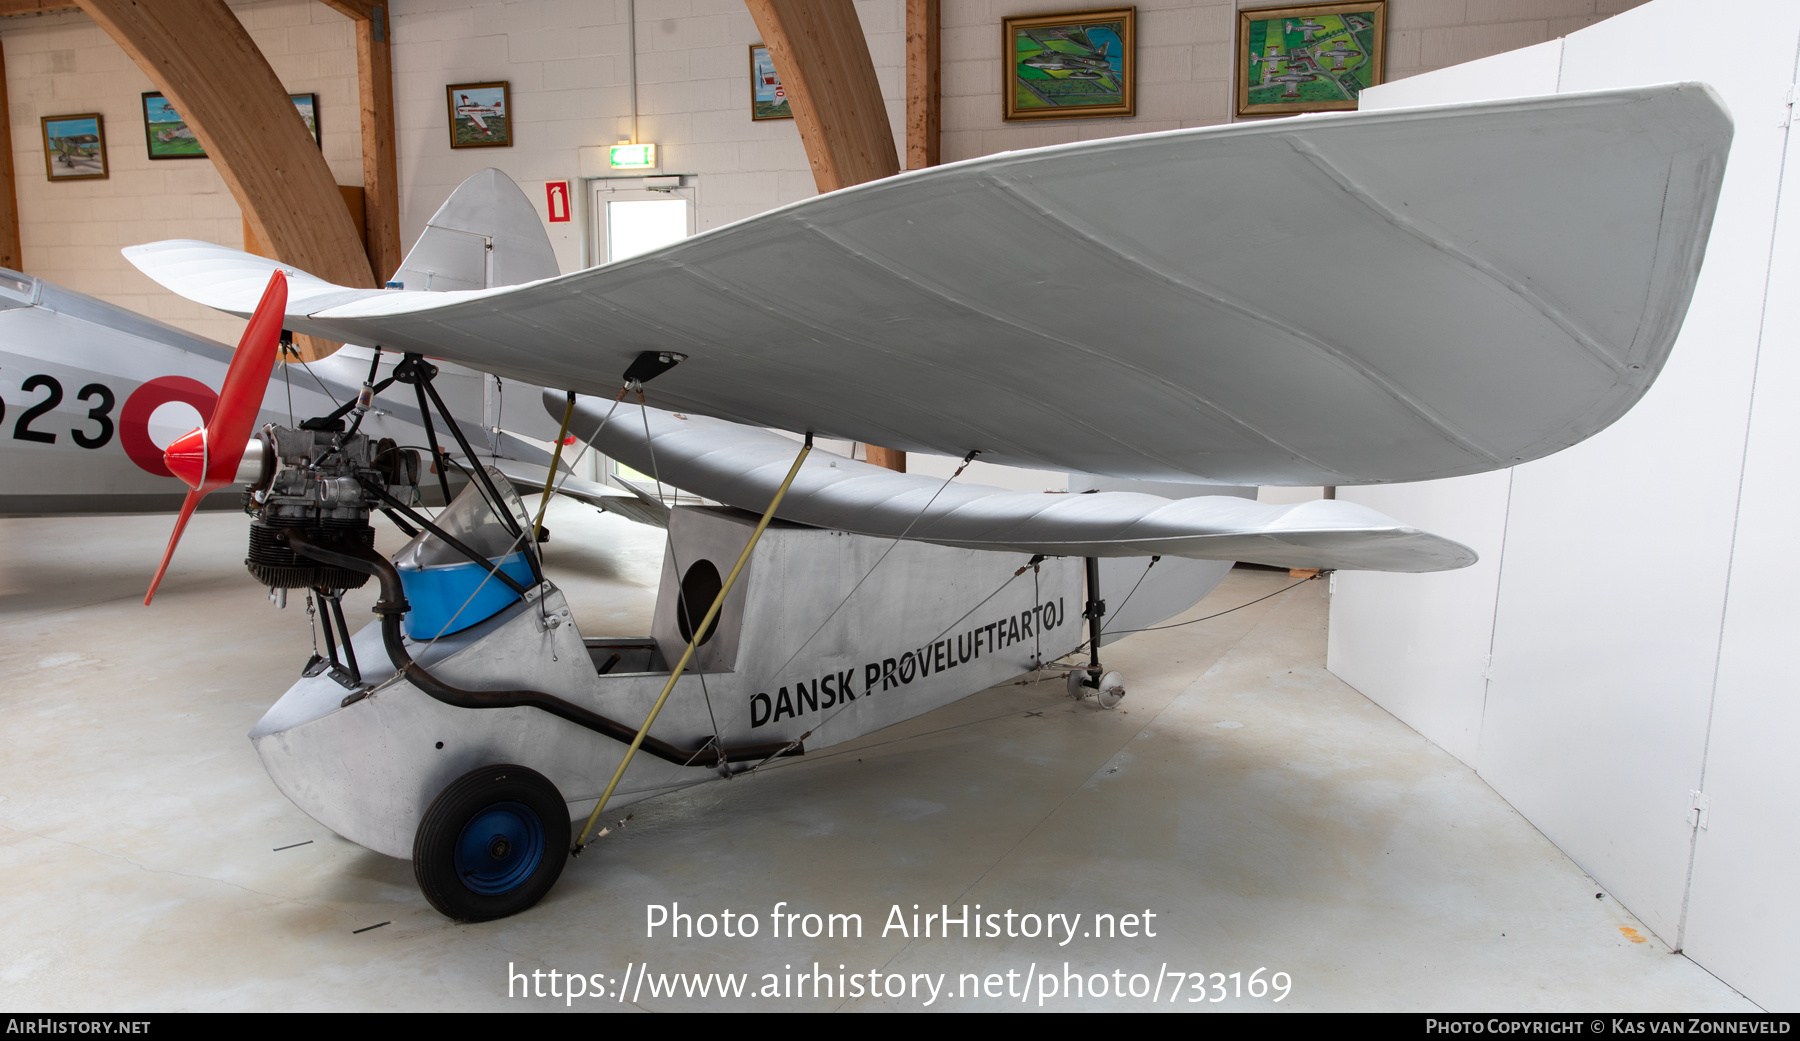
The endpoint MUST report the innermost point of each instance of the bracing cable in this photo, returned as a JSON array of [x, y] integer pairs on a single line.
[[1134, 589], [1210, 617], [967, 459], [842, 706], [681, 605]]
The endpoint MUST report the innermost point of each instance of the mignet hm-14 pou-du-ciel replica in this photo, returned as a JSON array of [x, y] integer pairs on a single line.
[[1339, 299]]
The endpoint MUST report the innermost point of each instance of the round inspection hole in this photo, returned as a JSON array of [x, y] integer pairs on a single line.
[[699, 588]]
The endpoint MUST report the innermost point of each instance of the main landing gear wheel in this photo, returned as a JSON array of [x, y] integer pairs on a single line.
[[492, 843]]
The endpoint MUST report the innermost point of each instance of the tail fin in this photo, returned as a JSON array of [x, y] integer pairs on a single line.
[[486, 234]]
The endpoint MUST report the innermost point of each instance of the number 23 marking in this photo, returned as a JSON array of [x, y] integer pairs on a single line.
[[100, 413]]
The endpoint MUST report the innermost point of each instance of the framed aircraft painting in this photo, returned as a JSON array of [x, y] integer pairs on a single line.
[[768, 99], [480, 115], [1313, 58], [1070, 65], [74, 147], [167, 135]]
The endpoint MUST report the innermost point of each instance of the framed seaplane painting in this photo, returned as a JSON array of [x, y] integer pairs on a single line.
[[74, 147], [1070, 65], [1314, 58]]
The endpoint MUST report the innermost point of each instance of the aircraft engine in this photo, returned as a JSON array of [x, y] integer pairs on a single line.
[[319, 480]]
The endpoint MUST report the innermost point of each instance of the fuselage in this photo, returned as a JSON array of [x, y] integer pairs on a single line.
[[92, 392]]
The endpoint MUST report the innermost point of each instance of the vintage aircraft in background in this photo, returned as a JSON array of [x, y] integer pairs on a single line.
[[1079, 66], [71, 147], [1305, 27], [1292, 78], [1272, 58], [1337, 54], [1447, 291], [91, 393]]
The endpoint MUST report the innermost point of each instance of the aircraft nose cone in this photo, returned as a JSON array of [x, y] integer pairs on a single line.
[[186, 457]]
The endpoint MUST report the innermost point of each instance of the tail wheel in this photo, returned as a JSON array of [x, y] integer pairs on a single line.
[[492, 843]]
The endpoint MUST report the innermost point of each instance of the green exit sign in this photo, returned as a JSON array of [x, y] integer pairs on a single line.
[[633, 157]]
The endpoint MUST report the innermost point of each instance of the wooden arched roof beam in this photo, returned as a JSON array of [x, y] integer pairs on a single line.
[[198, 54], [823, 60], [381, 173]]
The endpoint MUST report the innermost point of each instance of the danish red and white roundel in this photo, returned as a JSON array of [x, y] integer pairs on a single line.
[[134, 418]]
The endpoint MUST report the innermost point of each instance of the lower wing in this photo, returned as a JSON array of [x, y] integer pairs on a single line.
[[743, 467]]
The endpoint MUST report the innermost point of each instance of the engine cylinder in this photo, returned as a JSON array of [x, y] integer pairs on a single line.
[[278, 567]]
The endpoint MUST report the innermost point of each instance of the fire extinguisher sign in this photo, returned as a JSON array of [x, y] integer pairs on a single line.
[[556, 199]]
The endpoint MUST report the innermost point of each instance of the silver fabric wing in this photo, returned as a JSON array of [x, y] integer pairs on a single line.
[[743, 466], [1334, 299]]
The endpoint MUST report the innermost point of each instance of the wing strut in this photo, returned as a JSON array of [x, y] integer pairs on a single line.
[[693, 641]]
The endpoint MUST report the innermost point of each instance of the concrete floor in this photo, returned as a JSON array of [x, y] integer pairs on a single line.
[[1267, 814]]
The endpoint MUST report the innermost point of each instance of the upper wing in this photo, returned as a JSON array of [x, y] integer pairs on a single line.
[[743, 466], [1340, 299]]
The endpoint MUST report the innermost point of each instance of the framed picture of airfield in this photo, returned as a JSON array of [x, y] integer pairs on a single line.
[[166, 134], [1073, 65], [1315, 58], [767, 98], [480, 115], [74, 147]]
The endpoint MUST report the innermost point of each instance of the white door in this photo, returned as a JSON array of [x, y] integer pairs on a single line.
[[632, 215], [628, 216]]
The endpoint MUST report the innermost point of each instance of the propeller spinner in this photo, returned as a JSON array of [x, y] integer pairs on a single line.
[[207, 458]]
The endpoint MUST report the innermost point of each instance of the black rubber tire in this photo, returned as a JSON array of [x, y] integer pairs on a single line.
[[524, 799]]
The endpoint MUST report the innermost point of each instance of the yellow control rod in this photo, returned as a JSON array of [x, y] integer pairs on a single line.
[[537, 526], [693, 641]]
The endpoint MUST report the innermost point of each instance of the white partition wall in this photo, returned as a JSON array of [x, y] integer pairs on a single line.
[[1626, 640]]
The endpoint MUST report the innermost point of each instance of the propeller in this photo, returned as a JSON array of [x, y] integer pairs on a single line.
[[189, 456]]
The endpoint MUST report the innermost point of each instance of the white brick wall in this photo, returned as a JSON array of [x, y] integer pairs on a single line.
[[568, 63], [71, 232], [1185, 58], [568, 66]]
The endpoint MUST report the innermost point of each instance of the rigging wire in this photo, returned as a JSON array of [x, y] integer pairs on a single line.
[[316, 379], [518, 540], [287, 377], [1134, 588], [967, 459], [844, 705], [681, 604], [1193, 621]]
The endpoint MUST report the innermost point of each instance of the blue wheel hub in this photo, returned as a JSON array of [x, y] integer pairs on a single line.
[[499, 848]]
